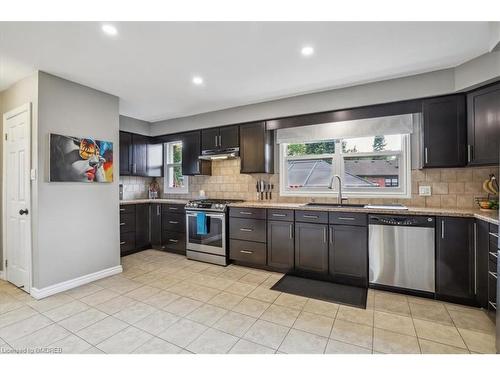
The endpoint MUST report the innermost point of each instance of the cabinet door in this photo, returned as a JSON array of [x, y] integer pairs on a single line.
[[191, 164], [229, 137], [444, 131], [256, 148], [142, 225], [482, 246], [125, 154], [155, 159], [156, 225], [209, 139], [483, 125], [280, 245], [140, 155], [348, 254], [455, 260], [311, 248]]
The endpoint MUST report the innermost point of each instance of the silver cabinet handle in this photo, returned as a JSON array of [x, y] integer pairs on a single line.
[[324, 235], [494, 274], [331, 235], [425, 155], [246, 213], [134, 168], [122, 224], [493, 304], [291, 231], [173, 208], [122, 243], [158, 210], [311, 216], [173, 222], [216, 141], [246, 229], [246, 252], [494, 234], [122, 209], [442, 229], [172, 240], [494, 254], [220, 141], [279, 215], [346, 218], [469, 153]]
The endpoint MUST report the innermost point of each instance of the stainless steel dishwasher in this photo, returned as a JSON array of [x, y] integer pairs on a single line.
[[401, 251]]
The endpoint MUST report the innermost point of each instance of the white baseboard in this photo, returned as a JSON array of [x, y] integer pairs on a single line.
[[70, 284], [2, 275]]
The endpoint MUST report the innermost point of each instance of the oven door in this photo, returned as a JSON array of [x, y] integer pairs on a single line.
[[214, 242]]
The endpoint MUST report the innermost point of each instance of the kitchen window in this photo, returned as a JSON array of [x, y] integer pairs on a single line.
[[370, 167], [175, 182]]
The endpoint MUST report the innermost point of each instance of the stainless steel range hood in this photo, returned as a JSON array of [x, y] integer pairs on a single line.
[[229, 153]]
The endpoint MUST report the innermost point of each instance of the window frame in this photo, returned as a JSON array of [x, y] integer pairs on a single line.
[[402, 192], [166, 180]]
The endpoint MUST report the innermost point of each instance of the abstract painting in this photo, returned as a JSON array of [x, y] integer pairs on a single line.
[[74, 159]]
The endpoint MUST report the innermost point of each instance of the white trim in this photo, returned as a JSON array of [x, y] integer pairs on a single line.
[[2, 275], [73, 283], [166, 180], [14, 112]]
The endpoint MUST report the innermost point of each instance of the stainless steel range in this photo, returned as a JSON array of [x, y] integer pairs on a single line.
[[211, 245]]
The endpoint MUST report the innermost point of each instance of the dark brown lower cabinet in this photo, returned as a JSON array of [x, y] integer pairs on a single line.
[[142, 226], [482, 250], [348, 254], [311, 248], [156, 226], [455, 260], [280, 245]]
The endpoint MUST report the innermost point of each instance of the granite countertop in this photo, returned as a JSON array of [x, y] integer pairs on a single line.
[[491, 217], [159, 200]]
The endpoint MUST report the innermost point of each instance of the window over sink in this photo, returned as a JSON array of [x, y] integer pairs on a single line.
[[370, 167]]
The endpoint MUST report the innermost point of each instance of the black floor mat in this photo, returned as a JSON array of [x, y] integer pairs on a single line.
[[323, 290]]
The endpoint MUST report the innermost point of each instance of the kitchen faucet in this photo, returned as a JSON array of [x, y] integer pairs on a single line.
[[339, 197]]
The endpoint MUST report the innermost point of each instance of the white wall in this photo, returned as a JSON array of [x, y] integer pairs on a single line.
[[78, 223], [483, 69], [133, 125], [22, 92]]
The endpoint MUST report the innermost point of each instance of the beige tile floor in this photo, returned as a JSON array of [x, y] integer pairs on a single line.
[[164, 303]]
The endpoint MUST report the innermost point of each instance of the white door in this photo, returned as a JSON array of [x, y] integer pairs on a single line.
[[17, 194]]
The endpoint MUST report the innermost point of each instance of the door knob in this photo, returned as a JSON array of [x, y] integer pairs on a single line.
[[23, 212]]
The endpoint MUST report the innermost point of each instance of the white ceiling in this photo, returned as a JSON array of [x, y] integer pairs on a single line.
[[150, 65]]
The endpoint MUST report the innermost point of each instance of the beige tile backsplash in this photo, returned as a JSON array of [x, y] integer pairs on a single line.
[[135, 187], [451, 187]]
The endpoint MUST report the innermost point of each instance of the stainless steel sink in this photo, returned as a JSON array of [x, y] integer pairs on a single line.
[[336, 205]]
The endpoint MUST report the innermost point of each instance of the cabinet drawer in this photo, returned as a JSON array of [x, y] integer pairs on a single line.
[[348, 218], [493, 256], [248, 252], [311, 217], [254, 213], [172, 208], [493, 237], [173, 241], [247, 229], [492, 290], [127, 242], [127, 222], [174, 222], [280, 215], [127, 209], [494, 228]]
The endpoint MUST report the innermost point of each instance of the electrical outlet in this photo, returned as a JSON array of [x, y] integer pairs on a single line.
[[424, 191]]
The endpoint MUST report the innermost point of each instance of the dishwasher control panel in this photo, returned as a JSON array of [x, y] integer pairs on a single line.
[[401, 220]]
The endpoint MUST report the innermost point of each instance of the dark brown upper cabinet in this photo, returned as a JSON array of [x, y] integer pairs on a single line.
[[455, 260], [139, 156], [483, 125], [220, 138], [444, 131], [256, 148], [191, 150], [125, 154]]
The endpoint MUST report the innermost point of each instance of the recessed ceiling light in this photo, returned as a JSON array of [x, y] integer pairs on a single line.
[[197, 80], [307, 51], [109, 29]]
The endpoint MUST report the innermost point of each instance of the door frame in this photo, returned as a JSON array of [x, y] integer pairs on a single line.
[[25, 107]]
